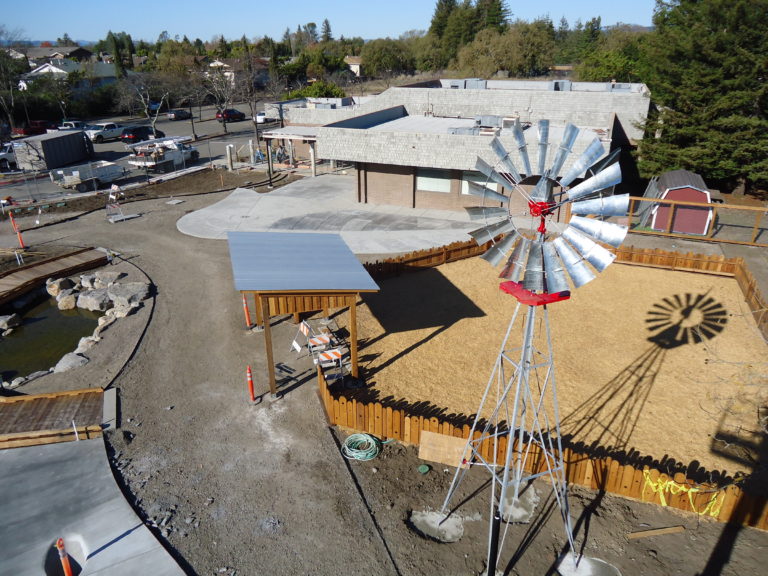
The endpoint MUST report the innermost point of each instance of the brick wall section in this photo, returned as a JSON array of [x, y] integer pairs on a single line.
[[389, 184]]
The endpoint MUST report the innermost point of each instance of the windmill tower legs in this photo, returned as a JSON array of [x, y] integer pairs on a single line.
[[522, 396]]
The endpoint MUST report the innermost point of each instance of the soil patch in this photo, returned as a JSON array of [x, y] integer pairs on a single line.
[[669, 364]]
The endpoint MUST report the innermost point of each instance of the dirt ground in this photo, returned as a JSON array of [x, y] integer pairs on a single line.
[[231, 487], [668, 364]]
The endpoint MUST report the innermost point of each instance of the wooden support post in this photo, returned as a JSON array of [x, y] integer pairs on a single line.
[[268, 346], [257, 300], [353, 335]]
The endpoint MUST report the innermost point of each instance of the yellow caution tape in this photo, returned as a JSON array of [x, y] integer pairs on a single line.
[[662, 486]]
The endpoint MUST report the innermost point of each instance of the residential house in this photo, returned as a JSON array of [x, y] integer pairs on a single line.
[[94, 74]]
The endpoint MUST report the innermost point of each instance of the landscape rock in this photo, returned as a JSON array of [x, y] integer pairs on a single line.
[[120, 311], [128, 294], [16, 382], [10, 321], [70, 361], [95, 300], [85, 344], [54, 287], [38, 374], [106, 278], [88, 281], [67, 300]]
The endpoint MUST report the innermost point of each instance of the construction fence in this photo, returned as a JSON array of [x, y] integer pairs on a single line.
[[667, 483]]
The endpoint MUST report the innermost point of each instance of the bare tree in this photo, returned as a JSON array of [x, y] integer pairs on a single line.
[[147, 91], [10, 71], [222, 87]]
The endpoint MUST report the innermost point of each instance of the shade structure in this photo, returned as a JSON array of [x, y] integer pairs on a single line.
[[291, 273]]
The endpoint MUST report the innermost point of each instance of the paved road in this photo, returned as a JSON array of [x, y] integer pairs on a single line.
[[212, 146]]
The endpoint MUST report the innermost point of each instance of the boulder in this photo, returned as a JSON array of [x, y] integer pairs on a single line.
[[69, 361], [88, 281], [85, 344], [121, 311], [10, 321], [128, 294], [95, 300], [67, 300], [55, 287], [106, 278], [38, 374]]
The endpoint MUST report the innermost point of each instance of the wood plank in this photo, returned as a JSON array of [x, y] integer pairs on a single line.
[[396, 434], [378, 420], [351, 413], [407, 430], [655, 532], [442, 449], [388, 422], [342, 420]]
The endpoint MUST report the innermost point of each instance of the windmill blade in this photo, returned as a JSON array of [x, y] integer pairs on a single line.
[[533, 279], [602, 206], [505, 160], [605, 179], [488, 171], [488, 233], [612, 157], [570, 134], [555, 274], [577, 269], [595, 254], [606, 232], [486, 212], [522, 146], [486, 193], [593, 152], [543, 144], [499, 250], [542, 192], [516, 262]]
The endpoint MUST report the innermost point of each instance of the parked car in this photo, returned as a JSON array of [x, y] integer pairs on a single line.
[[99, 133], [7, 157], [72, 124], [135, 134], [179, 114], [35, 127], [230, 115], [261, 117]]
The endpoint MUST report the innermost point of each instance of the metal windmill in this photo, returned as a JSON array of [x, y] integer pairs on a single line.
[[539, 256]]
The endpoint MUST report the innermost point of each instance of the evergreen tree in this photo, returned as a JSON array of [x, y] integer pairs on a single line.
[[325, 34], [459, 30], [492, 14], [706, 64], [65, 41], [443, 10], [117, 55]]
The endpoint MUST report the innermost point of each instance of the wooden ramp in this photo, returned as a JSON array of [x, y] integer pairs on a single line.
[[20, 281], [51, 418]]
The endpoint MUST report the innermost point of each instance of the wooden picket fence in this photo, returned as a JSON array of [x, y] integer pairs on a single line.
[[687, 489], [724, 500]]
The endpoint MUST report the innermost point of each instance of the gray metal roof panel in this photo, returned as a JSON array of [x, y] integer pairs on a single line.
[[284, 261]]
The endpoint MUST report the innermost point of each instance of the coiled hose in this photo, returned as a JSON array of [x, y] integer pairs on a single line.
[[361, 447]]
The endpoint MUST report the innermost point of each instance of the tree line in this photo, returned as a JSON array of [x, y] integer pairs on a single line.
[[704, 62]]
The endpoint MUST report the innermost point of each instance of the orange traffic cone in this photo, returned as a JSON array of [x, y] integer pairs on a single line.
[[249, 377], [247, 313], [63, 557]]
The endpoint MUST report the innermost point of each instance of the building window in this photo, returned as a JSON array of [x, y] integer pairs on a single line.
[[431, 180], [478, 179]]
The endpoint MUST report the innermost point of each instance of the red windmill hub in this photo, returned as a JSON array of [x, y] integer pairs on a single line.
[[541, 210]]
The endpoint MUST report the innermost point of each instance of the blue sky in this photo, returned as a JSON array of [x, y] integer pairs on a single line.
[[145, 19]]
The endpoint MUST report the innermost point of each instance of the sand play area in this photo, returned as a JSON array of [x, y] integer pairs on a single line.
[[669, 364]]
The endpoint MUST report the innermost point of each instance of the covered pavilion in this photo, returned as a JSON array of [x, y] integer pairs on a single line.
[[293, 273]]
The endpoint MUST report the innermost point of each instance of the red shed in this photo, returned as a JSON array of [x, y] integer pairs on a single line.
[[684, 186]]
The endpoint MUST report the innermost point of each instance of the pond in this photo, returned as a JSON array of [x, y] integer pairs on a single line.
[[45, 335]]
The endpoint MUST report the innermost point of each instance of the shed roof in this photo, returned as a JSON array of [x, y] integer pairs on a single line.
[[295, 262], [681, 178]]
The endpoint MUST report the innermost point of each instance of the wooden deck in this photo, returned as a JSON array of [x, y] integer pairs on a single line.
[[21, 280], [50, 418]]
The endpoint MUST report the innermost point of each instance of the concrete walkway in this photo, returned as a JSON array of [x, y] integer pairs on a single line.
[[68, 491], [328, 204]]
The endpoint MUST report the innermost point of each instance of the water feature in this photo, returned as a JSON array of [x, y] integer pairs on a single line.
[[45, 335]]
